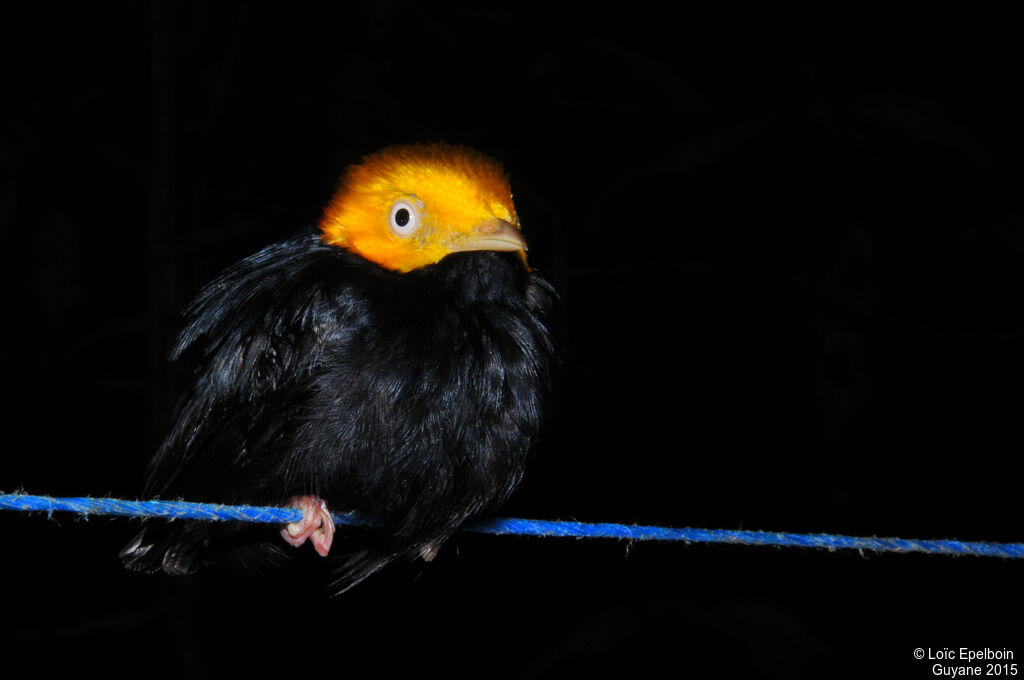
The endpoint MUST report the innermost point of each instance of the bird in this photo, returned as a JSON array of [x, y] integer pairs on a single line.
[[395, 360]]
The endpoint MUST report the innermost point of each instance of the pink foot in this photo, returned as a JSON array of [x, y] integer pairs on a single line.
[[316, 525], [429, 551]]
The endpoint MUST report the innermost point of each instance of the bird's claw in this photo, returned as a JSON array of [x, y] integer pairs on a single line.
[[429, 551], [316, 525]]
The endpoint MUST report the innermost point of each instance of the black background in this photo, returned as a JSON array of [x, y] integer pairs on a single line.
[[789, 248]]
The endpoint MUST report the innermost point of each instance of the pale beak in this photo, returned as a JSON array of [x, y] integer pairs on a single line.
[[493, 234]]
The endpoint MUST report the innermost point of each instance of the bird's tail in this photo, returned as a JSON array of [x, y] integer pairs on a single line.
[[183, 547], [358, 566], [173, 548]]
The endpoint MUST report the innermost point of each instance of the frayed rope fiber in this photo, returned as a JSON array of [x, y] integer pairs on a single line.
[[511, 526]]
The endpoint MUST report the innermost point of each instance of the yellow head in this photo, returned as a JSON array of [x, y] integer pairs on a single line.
[[406, 207]]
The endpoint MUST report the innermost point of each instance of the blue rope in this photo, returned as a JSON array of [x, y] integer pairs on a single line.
[[509, 526]]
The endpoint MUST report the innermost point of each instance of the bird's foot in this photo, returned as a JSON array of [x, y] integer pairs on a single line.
[[428, 551], [316, 525]]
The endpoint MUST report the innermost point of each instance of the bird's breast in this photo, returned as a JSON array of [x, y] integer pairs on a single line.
[[431, 400]]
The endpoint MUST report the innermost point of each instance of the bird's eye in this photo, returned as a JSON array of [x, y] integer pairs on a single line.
[[405, 217]]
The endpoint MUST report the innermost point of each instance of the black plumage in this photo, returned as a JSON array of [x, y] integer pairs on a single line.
[[412, 398]]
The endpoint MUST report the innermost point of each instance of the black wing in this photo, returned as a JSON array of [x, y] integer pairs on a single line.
[[257, 332]]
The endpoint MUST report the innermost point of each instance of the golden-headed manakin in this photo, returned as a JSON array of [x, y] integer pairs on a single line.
[[396, 362]]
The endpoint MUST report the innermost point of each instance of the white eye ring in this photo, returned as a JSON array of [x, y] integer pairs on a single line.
[[404, 218]]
